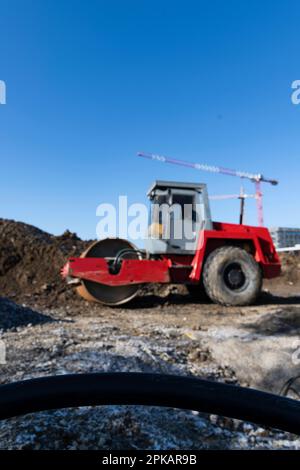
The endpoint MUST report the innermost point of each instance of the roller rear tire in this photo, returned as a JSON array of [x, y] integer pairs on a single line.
[[232, 277]]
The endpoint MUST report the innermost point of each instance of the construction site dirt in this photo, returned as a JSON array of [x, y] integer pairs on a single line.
[[47, 329]]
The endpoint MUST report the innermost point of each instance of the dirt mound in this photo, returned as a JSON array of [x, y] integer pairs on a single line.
[[30, 260], [289, 281], [291, 267], [13, 316]]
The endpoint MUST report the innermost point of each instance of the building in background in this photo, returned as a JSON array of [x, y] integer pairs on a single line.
[[285, 237]]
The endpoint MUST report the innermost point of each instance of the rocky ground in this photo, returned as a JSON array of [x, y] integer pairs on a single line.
[[48, 330]]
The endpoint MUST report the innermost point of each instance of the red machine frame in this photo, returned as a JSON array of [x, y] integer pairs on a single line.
[[182, 269]]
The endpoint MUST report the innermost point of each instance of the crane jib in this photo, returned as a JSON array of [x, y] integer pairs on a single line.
[[206, 167]]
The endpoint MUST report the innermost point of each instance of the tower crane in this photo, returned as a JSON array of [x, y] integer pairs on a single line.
[[256, 178]]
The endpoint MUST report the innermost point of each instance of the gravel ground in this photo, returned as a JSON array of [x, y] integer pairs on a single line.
[[48, 330], [171, 334]]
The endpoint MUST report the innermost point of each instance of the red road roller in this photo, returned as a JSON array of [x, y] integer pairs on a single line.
[[226, 261]]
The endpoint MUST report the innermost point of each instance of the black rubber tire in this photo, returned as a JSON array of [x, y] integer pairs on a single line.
[[216, 282]]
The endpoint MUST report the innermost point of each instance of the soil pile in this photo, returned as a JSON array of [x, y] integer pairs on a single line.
[[31, 259], [291, 267]]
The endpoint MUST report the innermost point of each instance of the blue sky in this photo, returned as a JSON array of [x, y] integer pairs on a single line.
[[91, 83]]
